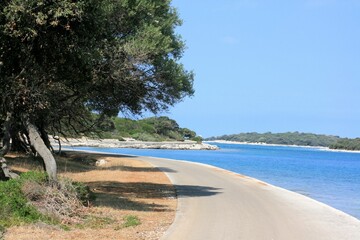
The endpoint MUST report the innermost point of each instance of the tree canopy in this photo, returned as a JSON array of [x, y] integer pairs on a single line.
[[62, 60]]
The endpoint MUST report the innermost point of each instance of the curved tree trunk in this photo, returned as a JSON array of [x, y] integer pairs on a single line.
[[37, 142], [45, 138]]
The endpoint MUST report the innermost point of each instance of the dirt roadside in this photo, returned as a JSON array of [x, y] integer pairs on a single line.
[[123, 185]]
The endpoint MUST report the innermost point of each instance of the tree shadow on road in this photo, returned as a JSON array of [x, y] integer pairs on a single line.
[[136, 196], [139, 169], [184, 191]]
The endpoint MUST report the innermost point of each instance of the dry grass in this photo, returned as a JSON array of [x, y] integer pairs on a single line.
[[58, 200], [124, 186]]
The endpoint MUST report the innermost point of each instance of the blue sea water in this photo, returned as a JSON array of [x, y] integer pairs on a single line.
[[329, 177]]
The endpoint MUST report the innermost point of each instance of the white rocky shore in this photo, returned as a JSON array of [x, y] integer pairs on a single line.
[[131, 143]]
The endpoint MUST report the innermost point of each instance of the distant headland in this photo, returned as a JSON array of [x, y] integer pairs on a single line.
[[293, 138]]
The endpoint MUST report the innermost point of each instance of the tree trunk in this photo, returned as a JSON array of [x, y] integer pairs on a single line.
[[46, 140], [5, 172], [6, 138], [57, 138], [37, 142]]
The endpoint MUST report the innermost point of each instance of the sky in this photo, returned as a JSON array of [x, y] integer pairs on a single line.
[[271, 65]]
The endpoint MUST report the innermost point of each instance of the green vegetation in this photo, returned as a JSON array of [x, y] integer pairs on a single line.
[[32, 198], [149, 129], [289, 138], [347, 144], [14, 207], [294, 138], [130, 221], [2, 232], [95, 222]]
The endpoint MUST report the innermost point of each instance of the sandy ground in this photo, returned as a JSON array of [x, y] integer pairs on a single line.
[[123, 186]]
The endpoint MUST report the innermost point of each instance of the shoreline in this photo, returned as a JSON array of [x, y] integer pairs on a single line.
[[284, 145], [229, 172], [252, 179], [310, 212], [115, 143]]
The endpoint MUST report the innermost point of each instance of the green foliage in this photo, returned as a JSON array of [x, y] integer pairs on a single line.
[[106, 124], [83, 192], [198, 139], [153, 129], [187, 133], [347, 144], [130, 221], [146, 137]]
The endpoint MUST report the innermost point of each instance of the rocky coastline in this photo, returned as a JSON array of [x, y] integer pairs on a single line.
[[131, 143]]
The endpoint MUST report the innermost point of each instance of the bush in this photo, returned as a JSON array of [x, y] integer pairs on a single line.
[[198, 139], [172, 135], [61, 200], [84, 194], [146, 137], [32, 198]]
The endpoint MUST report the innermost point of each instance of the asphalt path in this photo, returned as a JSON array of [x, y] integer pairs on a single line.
[[214, 204]]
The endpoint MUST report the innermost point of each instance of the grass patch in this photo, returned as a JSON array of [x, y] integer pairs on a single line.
[[95, 222], [14, 207], [130, 221]]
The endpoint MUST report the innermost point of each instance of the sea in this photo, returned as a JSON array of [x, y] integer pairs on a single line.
[[327, 176]]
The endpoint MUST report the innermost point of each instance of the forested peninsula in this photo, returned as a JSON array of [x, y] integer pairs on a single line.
[[152, 129], [293, 138]]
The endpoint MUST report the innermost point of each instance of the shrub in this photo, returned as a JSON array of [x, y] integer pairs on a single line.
[[84, 194], [32, 198], [173, 135], [198, 139], [146, 137], [61, 200]]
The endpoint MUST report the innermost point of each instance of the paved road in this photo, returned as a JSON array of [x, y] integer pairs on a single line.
[[218, 205]]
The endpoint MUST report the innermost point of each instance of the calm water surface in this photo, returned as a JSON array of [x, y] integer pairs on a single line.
[[330, 177]]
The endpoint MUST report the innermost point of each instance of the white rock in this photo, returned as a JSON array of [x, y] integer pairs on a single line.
[[101, 162]]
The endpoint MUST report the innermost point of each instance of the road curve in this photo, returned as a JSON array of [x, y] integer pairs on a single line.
[[215, 204]]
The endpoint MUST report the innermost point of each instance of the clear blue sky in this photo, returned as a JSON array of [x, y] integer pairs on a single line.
[[275, 65]]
